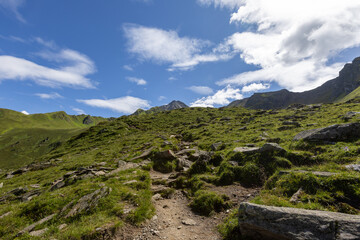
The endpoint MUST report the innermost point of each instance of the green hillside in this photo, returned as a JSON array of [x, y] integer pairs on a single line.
[[351, 96], [113, 164], [24, 138]]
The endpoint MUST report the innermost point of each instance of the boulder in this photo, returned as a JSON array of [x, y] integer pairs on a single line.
[[266, 222], [247, 150], [165, 155], [38, 233], [88, 202], [337, 132], [354, 167]]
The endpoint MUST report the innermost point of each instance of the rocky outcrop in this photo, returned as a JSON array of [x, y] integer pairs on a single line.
[[338, 132], [267, 147], [266, 222], [32, 226], [88, 202]]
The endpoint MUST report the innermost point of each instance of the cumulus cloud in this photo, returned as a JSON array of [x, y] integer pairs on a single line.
[[203, 90], [254, 87], [167, 47], [221, 97], [53, 95], [25, 112], [73, 68], [13, 6], [293, 40], [138, 81], [125, 105], [79, 111]]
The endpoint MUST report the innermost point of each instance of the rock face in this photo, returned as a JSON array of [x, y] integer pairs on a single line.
[[265, 222], [338, 132], [88, 202], [347, 81]]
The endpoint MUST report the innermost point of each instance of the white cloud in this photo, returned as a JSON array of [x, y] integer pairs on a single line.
[[221, 3], [221, 97], [79, 111], [254, 87], [48, 44], [125, 105], [72, 71], [162, 98], [128, 67], [294, 39], [53, 95], [160, 46], [138, 81], [13, 6], [25, 112], [172, 78], [203, 90]]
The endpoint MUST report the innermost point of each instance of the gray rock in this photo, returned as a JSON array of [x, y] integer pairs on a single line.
[[271, 147], [32, 226], [18, 191], [355, 167], [1, 185], [5, 214], [338, 132], [88, 202], [249, 150], [38, 233], [62, 226], [130, 182], [215, 146], [188, 222], [145, 154], [296, 196], [316, 173], [266, 222]]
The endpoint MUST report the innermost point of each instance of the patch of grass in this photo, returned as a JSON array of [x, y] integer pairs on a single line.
[[206, 202]]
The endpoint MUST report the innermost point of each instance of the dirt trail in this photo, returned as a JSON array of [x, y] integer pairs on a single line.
[[174, 219]]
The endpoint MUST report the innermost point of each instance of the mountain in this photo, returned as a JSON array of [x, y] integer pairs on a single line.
[[331, 91], [24, 138], [171, 106]]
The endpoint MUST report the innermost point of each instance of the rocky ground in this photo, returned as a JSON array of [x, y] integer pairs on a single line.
[[175, 220]]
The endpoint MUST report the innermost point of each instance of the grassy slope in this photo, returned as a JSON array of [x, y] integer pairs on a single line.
[[129, 136], [23, 138], [354, 94]]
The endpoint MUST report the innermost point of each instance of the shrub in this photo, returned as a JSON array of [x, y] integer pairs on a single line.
[[206, 202]]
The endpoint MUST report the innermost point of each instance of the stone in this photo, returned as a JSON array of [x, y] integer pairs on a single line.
[[165, 155], [88, 202], [32, 226], [145, 154], [35, 185], [130, 182], [30, 195], [58, 184], [156, 197], [354, 167], [100, 173], [337, 132], [296, 196], [5, 214], [62, 226], [271, 147], [188, 222], [316, 173], [38, 233], [267, 222], [216, 146], [247, 150], [1, 185]]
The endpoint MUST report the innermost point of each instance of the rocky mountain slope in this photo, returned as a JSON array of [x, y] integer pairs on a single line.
[[183, 172], [331, 91], [24, 138], [168, 107]]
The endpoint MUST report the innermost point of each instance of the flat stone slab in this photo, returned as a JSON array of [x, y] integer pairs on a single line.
[[355, 167], [267, 222]]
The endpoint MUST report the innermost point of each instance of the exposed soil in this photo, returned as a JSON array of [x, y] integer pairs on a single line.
[[174, 219]]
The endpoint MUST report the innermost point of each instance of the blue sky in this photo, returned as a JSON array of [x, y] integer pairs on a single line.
[[111, 57]]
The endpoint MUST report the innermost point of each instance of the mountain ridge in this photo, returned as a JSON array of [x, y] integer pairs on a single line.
[[331, 91], [175, 104]]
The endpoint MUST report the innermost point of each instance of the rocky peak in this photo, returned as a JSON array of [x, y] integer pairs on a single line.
[[174, 105]]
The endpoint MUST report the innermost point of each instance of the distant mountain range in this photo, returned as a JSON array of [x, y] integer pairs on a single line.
[[171, 106], [332, 91]]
